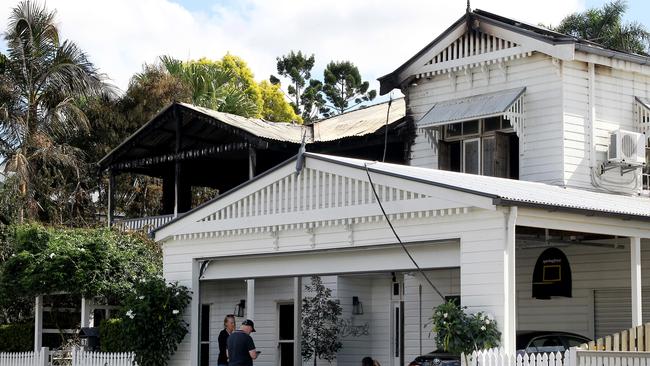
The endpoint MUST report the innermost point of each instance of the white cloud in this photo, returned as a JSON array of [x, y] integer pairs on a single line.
[[378, 36]]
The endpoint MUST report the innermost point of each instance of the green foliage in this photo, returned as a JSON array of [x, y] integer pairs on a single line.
[[112, 336], [458, 332], [85, 262], [297, 66], [344, 88], [275, 107], [153, 320], [16, 337], [605, 26], [214, 86], [43, 80], [320, 319]]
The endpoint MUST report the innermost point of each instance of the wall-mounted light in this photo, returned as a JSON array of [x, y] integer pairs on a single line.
[[357, 306], [240, 308]]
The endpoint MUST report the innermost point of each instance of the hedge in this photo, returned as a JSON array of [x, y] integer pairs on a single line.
[[16, 337]]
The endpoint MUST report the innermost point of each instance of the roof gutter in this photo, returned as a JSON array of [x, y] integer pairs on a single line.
[[581, 211], [637, 59]]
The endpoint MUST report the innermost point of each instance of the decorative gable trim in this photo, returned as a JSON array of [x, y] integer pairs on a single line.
[[472, 49]]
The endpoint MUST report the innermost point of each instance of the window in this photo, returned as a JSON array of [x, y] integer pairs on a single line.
[[472, 156], [545, 344], [486, 146], [574, 341], [205, 335]]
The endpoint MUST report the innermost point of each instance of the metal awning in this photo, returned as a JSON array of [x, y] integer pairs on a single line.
[[501, 103]]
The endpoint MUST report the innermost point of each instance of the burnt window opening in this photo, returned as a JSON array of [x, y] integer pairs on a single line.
[[485, 146]]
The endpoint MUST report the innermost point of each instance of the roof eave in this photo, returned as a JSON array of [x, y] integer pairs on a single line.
[[587, 212]]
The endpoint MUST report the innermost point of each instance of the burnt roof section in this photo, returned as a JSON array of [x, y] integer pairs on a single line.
[[208, 132], [390, 81]]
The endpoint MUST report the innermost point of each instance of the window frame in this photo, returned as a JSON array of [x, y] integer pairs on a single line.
[[506, 128], [478, 155]]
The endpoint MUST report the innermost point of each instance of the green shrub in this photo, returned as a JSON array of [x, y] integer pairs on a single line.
[[153, 320], [16, 337], [82, 262], [458, 332], [112, 336]]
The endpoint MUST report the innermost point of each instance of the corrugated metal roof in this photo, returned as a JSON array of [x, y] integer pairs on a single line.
[[511, 190], [289, 132], [355, 123], [468, 108], [359, 122]]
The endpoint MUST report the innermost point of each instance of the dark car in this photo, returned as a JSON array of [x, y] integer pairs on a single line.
[[527, 342]]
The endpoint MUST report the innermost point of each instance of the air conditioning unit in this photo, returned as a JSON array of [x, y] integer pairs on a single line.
[[627, 147]]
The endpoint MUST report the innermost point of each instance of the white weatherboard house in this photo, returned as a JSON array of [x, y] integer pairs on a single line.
[[527, 140]]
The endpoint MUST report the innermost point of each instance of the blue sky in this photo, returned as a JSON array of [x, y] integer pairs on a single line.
[[377, 35]]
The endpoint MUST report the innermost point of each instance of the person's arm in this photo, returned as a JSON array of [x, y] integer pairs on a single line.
[[251, 348], [253, 354], [223, 343]]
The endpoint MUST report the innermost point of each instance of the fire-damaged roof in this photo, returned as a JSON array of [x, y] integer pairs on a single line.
[[206, 133]]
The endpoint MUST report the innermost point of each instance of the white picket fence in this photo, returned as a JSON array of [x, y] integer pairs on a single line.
[[24, 358], [573, 357], [45, 357], [84, 358]]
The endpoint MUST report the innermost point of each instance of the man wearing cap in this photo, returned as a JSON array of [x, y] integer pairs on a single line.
[[241, 348]]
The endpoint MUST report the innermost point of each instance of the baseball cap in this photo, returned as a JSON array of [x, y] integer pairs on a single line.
[[249, 323]]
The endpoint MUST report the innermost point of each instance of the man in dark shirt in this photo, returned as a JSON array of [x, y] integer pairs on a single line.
[[228, 327], [241, 348]]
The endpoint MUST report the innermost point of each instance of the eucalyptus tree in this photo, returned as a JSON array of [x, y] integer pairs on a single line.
[[606, 26], [43, 80]]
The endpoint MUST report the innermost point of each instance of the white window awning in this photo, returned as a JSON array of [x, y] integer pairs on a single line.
[[506, 103]]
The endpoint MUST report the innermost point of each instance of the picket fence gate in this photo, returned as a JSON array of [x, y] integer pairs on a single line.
[[572, 357], [45, 357]]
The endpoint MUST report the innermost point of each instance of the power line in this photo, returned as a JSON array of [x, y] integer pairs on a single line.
[[383, 211]]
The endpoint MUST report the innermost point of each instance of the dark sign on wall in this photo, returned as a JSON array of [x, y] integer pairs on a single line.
[[552, 275]]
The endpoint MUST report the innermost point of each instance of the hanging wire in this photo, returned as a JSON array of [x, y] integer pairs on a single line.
[[392, 228]]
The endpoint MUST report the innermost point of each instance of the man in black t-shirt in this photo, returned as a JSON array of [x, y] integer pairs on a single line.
[[241, 348]]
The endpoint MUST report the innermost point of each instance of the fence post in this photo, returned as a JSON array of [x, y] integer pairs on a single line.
[[74, 356], [44, 356], [572, 354]]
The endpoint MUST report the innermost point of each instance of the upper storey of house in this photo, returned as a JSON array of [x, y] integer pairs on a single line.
[[499, 97]]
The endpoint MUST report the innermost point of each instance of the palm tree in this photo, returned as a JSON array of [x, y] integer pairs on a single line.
[[42, 80], [606, 26], [212, 86]]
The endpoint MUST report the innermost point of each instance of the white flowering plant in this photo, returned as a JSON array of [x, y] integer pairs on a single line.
[[458, 332], [153, 320]]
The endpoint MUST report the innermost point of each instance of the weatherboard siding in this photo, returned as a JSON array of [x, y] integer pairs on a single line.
[[592, 268], [542, 154], [481, 256], [614, 100]]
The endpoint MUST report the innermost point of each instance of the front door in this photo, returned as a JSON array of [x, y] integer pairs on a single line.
[[285, 336]]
